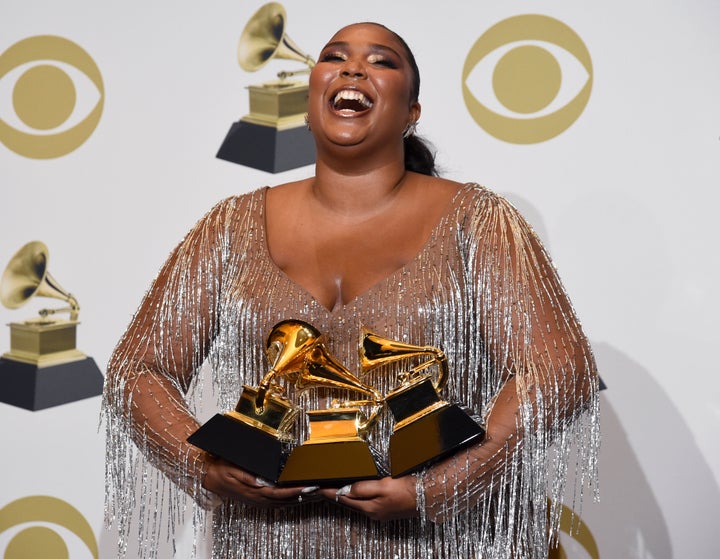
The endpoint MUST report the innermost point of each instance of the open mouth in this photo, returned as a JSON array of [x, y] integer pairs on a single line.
[[351, 100]]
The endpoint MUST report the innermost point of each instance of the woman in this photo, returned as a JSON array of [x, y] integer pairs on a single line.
[[367, 240]]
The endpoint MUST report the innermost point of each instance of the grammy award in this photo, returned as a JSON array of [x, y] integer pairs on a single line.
[[426, 428], [273, 137], [257, 434], [336, 452], [43, 367]]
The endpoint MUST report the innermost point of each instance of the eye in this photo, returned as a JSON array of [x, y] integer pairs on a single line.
[[51, 97], [379, 60], [42, 526], [332, 57], [527, 79]]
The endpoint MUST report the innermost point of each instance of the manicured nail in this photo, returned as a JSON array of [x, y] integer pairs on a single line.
[[263, 482], [309, 489], [343, 491]]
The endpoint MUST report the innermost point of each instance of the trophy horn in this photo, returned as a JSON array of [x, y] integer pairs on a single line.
[[323, 370], [27, 276], [287, 345], [264, 38], [376, 350]]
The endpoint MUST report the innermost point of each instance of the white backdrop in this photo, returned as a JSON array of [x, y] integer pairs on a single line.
[[625, 199]]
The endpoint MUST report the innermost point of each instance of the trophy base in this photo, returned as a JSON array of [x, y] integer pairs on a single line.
[[268, 148], [330, 464], [35, 387], [247, 447], [431, 438]]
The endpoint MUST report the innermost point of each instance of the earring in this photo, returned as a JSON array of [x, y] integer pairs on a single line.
[[410, 129], [307, 121]]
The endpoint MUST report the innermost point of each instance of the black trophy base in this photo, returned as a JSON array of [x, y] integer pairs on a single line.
[[35, 388], [430, 438], [245, 446], [267, 148], [331, 464]]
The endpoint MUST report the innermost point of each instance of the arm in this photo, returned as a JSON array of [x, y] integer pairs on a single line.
[[154, 363], [546, 373], [538, 366]]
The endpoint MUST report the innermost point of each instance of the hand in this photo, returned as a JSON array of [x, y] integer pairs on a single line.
[[383, 499], [229, 481]]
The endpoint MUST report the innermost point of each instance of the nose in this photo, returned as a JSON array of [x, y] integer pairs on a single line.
[[353, 69]]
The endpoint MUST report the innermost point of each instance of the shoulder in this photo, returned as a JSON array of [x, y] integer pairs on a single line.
[[235, 206], [228, 217], [474, 197], [483, 215]]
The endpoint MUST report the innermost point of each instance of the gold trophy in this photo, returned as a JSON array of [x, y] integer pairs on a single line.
[[336, 452], [43, 367], [256, 435], [427, 428], [273, 137]]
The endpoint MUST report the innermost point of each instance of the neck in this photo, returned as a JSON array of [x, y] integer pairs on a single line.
[[357, 192]]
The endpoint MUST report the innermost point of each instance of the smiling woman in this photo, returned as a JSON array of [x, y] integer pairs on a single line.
[[394, 248]]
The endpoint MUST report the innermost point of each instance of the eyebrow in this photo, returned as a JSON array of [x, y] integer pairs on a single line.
[[374, 47]]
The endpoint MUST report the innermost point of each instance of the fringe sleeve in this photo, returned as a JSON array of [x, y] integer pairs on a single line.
[[542, 392], [149, 374]]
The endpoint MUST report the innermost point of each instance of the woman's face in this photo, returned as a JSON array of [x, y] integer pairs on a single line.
[[361, 87]]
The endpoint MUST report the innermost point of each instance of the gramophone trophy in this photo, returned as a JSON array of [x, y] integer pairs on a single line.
[[256, 435], [43, 367], [273, 137], [427, 428], [336, 452]]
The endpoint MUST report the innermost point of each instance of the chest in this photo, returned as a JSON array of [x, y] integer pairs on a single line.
[[337, 261]]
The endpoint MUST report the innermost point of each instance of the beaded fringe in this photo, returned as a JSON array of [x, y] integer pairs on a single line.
[[215, 300]]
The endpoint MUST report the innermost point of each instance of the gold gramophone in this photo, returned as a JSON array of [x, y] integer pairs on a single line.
[[427, 428], [336, 452], [43, 367], [256, 435], [273, 137]]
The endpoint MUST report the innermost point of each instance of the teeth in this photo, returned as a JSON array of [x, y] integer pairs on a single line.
[[352, 95]]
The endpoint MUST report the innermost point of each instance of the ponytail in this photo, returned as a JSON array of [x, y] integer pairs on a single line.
[[419, 157]]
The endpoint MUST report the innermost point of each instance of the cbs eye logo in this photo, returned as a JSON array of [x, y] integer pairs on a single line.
[[42, 526], [527, 79], [51, 97]]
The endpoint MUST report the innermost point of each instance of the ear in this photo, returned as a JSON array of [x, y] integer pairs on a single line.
[[415, 111]]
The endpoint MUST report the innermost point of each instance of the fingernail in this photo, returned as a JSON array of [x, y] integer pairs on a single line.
[[310, 489], [343, 491], [263, 482]]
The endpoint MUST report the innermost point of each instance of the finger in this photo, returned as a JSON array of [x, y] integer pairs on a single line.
[[290, 494], [362, 490]]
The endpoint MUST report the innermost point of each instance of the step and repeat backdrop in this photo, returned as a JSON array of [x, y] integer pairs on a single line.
[[120, 125]]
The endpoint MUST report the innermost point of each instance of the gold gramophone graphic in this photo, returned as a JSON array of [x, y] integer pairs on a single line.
[[257, 435], [43, 367], [273, 137], [427, 428]]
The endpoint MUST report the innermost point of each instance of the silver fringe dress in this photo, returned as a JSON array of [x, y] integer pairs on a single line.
[[482, 288]]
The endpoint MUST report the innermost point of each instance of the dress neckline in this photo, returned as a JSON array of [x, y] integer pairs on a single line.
[[451, 208]]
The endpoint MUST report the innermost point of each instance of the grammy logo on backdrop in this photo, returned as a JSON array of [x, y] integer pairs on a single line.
[[273, 137], [43, 367]]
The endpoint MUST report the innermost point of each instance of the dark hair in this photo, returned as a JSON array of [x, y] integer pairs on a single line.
[[419, 157]]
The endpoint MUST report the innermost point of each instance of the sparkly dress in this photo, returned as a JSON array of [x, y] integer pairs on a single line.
[[482, 288]]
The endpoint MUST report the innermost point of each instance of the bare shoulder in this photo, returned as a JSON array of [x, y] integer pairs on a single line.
[[437, 188], [285, 194]]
